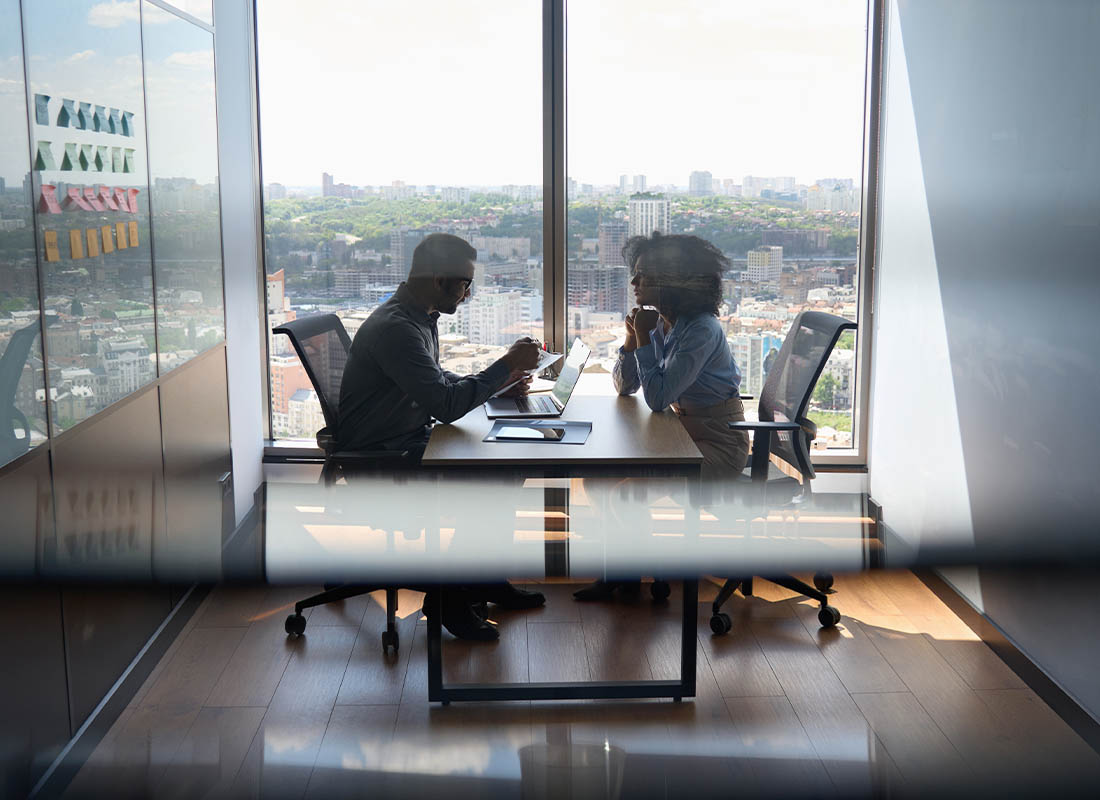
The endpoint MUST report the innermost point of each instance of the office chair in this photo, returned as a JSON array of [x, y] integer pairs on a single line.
[[12, 362], [322, 345], [785, 432]]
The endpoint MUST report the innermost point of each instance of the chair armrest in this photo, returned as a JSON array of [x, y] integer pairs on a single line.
[[751, 425], [748, 397]]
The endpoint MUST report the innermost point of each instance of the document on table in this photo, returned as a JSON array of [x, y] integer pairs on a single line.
[[545, 360]]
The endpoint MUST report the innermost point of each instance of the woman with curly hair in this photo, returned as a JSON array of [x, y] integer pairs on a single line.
[[675, 349], [676, 352]]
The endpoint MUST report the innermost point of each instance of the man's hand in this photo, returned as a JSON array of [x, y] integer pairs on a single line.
[[523, 355], [521, 388], [645, 321], [631, 342]]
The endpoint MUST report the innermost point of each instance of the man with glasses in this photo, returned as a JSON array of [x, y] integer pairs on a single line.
[[393, 387]]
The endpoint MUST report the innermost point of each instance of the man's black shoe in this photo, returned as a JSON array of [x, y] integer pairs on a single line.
[[600, 591], [508, 596], [459, 618], [604, 591]]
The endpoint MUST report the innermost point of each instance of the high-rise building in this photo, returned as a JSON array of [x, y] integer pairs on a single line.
[[612, 237], [276, 191], [326, 185], [648, 213], [700, 184], [753, 353], [639, 183], [402, 243], [765, 264], [598, 288], [623, 184]]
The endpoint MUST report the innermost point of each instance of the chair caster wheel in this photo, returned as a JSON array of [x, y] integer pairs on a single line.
[[721, 623], [823, 582], [480, 610], [295, 625], [660, 591], [390, 639], [828, 616]]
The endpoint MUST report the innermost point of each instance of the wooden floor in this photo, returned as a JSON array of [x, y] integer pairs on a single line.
[[900, 699]]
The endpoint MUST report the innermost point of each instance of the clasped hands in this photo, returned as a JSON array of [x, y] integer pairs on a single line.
[[639, 322]]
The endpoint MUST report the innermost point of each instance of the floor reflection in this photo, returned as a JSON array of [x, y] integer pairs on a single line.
[[900, 698]]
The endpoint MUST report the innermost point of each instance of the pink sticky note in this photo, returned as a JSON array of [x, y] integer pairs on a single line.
[[47, 200], [75, 198], [108, 200], [90, 196], [133, 193]]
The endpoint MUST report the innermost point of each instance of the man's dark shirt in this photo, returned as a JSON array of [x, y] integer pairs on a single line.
[[393, 385]]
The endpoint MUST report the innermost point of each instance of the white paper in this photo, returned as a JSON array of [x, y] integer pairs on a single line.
[[545, 360]]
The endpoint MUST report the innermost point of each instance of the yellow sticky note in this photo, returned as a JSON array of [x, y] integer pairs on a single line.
[[76, 243], [52, 253], [120, 229], [133, 234], [93, 242], [108, 240]]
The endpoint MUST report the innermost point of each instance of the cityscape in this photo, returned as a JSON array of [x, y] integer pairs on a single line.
[[344, 249]]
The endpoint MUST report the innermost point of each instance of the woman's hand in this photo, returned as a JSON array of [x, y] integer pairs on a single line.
[[631, 342], [645, 320]]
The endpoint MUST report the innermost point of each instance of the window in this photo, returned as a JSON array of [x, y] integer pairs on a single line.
[[740, 123], [380, 130]]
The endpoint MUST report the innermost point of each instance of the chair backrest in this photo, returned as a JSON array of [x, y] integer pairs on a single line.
[[322, 345], [12, 362], [791, 381]]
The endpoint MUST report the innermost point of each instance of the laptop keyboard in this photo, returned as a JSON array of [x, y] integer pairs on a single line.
[[535, 405]]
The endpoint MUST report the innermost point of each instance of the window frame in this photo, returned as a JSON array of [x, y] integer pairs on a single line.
[[555, 202]]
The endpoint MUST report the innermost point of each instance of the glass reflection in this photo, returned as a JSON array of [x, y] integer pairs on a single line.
[[90, 186], [22, 396], [183, 168]]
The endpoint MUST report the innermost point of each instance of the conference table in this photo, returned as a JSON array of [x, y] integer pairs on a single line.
[[627, 503]]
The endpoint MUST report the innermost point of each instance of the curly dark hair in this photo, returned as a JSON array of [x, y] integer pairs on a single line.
[[688, 271]]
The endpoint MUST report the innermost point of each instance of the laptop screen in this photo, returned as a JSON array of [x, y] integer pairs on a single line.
[[571, 371]]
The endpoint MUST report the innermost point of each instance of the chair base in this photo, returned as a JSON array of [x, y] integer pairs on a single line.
[[296, 623], [827, 615]]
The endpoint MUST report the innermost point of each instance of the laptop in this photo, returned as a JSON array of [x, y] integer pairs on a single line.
[[544, 405]]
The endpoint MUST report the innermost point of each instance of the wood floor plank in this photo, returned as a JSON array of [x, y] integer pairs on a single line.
[[738, 663], [186, 681], [207, 760], [776, 750], [257, 665], [855, 759], [354, 749], [952, 705], [909, 594], [855, 660], [967, 654], [556, 652], [373, 677], [231, 606], [280, 759], [1060, 758], [616, 646], [858, 593], [922, 753]]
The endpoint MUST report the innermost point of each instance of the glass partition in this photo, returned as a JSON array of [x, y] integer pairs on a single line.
[[183, 170], [90, 186], [22, 396]]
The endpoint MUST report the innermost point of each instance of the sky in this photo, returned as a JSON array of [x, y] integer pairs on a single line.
[[445, 93]]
